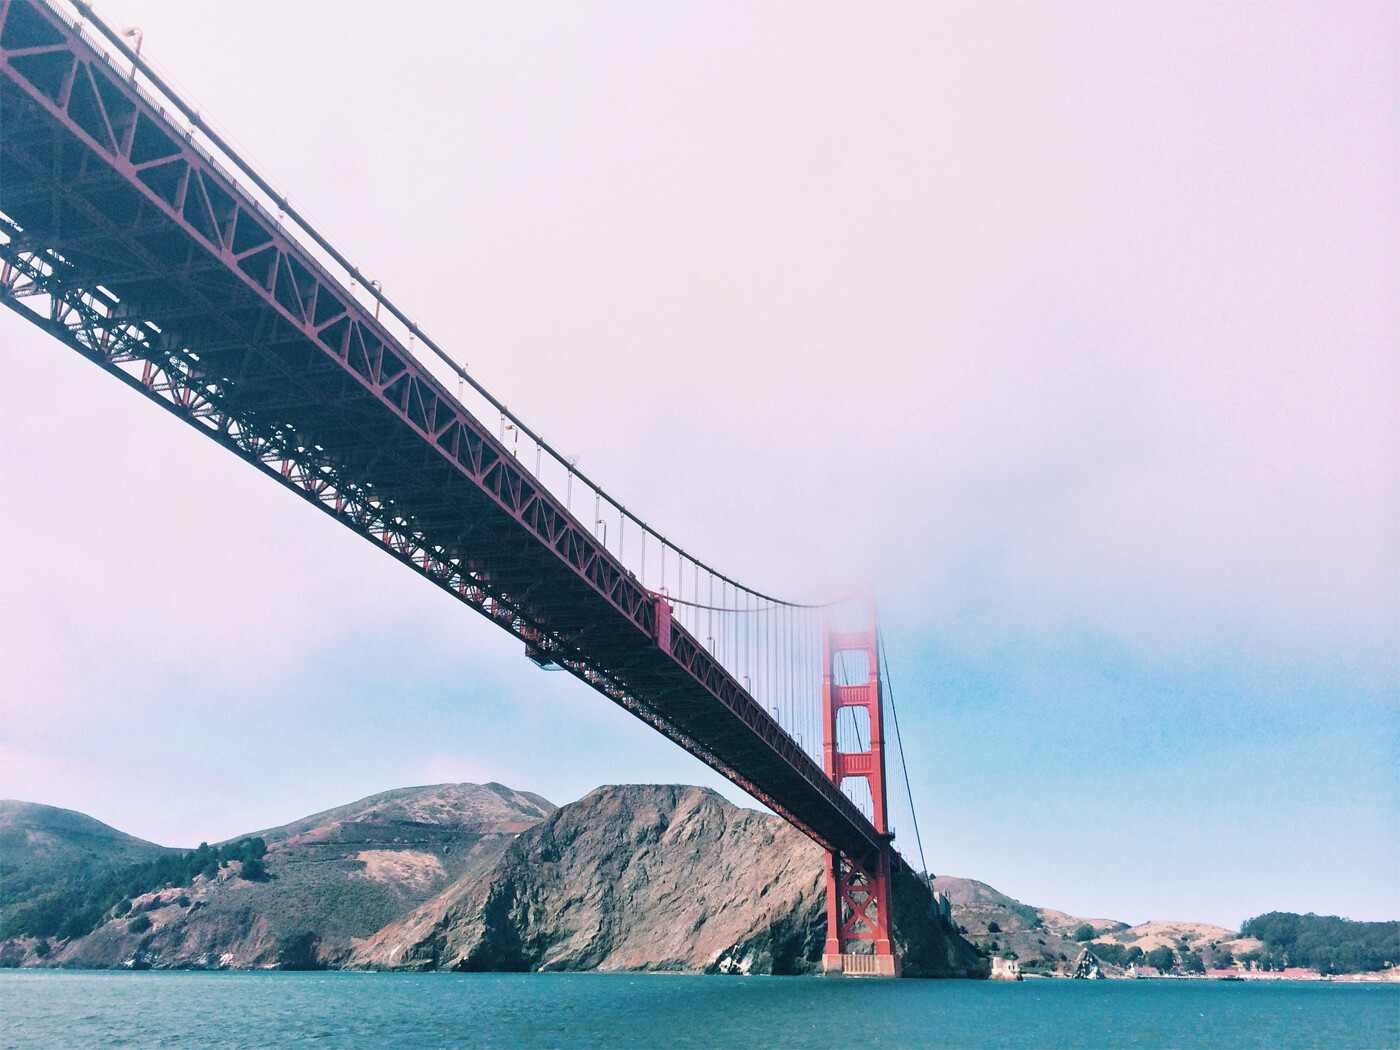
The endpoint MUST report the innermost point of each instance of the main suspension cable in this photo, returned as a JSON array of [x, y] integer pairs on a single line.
[[374, 289], [903, 765]]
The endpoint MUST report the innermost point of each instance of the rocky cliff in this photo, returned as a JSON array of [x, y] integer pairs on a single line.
[[479, 877], [627, 878], [651, 878]]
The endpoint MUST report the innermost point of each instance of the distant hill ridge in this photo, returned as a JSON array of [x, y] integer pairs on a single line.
[[1046, 941], [65, 836], [480, 876], [335, 876], [490, 805], [485, 877]]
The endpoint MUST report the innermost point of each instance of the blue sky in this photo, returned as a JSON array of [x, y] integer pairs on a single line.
[[1074, 329]]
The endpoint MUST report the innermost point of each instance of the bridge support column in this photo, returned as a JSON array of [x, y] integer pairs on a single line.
[[858, 889]]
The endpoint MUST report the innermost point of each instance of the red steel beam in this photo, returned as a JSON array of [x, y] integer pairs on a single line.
[[160, 268]]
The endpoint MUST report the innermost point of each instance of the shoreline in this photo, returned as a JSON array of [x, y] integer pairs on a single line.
[[1385, 977]]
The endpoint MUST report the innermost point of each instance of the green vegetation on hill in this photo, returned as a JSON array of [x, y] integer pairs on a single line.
[[1029, 915], [1161, 957], [1117, 954], [329, 880], [76, 905], [390, 870], [1322, 942]]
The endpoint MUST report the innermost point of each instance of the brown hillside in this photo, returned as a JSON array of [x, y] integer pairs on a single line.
[[332, 878], [648, 878]]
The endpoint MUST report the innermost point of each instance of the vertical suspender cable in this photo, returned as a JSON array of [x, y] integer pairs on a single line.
[[784, 654], [769, 651], [748, 643], [773, 652]]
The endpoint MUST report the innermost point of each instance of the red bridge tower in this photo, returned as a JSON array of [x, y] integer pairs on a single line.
[[858, 892]]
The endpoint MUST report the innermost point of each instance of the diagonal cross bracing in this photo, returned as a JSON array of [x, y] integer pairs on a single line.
[[124, 240]]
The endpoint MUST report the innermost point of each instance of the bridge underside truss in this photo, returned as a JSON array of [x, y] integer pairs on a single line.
[[120, 237]]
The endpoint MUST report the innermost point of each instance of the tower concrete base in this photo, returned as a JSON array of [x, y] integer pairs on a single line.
[[847, 965]]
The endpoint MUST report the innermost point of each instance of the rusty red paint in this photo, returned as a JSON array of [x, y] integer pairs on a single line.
[[858, 890]]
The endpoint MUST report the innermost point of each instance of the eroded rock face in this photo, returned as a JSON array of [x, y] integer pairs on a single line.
[[627, 878], [480, 877], [1086, 967], [928, 946], [651, 878]]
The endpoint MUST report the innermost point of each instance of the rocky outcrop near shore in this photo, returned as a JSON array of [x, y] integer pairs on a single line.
[[1086, 967], [627, 878], [651, 878], [480, 877]]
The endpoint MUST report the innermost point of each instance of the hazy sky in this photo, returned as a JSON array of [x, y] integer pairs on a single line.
[[1075, 328]]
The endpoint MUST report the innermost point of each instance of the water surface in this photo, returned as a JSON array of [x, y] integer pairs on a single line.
[[422, 1011]]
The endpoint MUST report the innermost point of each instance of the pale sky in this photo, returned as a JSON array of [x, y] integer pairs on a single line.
[[1074, 328]]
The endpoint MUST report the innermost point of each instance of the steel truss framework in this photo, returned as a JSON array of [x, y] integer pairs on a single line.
[[122, 238], [858, 884]]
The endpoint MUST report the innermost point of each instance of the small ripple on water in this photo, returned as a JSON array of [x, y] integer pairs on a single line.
[[251, 1011]]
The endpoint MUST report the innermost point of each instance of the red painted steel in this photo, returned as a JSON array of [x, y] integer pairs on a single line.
[[663, 625], [146, 257], [858, 889]]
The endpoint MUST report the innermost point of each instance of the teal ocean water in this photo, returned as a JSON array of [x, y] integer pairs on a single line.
[[422, 1011]]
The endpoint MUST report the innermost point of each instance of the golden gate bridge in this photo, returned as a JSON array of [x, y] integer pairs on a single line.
[[133, 232]]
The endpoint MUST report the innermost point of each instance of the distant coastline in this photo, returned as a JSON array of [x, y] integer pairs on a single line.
[[658, 878]]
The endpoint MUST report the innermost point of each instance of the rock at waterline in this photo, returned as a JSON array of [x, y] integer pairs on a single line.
[[1086, 967]]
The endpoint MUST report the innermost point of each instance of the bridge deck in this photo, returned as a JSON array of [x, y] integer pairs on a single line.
[[142, 253]]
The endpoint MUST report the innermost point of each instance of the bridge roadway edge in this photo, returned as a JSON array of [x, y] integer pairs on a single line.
[[278, 341]]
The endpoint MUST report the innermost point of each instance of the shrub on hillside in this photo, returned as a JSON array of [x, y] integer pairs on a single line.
[[1221, 959], [1025, 913], [1110, 953], [1163, 958], [253, 870], [1084, 932]]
